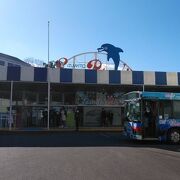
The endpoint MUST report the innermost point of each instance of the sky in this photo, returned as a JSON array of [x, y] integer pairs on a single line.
[[148, 31]]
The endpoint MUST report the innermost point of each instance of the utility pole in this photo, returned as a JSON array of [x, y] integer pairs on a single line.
[[48, 78]]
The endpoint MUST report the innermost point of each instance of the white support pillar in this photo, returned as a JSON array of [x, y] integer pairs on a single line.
[[74, 62], [143, 87], [10, 120], [95, 55]]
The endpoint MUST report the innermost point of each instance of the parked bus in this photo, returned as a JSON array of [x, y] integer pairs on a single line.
[[152, 115]]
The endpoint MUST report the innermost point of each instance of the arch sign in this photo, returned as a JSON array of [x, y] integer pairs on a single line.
[[61, 62], [110, 51], [95, 64]]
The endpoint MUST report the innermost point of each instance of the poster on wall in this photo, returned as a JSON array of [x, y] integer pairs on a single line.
[[108, 98], [98, 98], [101, 98], [86, 98]]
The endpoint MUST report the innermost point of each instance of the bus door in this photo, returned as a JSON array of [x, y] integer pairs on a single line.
[[150, 114]]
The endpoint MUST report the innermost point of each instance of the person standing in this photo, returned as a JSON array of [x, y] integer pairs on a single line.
[[147, 121], [103, 117], [77, 119], [110, 118], [63, 114]]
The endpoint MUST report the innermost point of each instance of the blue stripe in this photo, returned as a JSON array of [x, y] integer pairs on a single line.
[[137, 77], [13, 73], [40, 74], [90, 76], [66, 75], [160, 78], [178, 78], [114, 77]]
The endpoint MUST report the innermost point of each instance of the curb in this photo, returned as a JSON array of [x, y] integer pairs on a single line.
[[41, 131]]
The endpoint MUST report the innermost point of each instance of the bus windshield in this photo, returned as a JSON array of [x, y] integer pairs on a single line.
[[133, 110]]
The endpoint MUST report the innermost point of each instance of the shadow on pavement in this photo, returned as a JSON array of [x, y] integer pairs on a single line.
[[77, 139]]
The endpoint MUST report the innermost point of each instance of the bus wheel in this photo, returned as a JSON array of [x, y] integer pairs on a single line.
[[174, 136]]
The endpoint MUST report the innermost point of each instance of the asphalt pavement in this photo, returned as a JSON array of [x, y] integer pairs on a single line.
[[85, 155]]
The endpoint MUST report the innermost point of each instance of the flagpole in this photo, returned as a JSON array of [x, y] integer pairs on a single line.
[[48, 83], [48, 43]]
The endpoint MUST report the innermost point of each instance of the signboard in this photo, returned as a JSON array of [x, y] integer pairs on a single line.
[[99, 60]]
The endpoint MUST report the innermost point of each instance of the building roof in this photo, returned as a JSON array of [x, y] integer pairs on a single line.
[[13, 59]]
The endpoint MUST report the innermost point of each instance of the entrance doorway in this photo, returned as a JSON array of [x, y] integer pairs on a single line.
[[150, 113]]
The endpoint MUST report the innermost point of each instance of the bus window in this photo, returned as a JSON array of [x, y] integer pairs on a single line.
[[133, 111], [165, 109], [176, 109]]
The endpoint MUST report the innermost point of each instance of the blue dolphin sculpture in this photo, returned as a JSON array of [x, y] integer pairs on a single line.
[[112, 52]]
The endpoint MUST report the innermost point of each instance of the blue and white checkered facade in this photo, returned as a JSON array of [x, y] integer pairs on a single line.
[[81, 76]]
